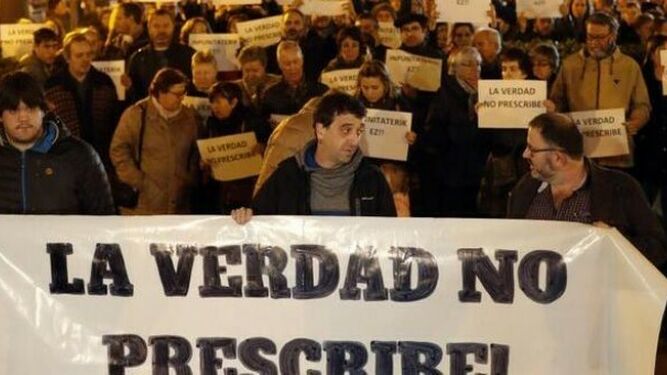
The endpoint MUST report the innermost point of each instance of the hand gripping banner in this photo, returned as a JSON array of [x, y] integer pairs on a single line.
[[288, 295]]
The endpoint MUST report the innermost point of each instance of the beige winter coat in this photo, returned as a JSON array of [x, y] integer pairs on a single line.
[[169, 159]]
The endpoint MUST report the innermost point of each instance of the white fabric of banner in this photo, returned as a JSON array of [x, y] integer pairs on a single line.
[[604, 320]]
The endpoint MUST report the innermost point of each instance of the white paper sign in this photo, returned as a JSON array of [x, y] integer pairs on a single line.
[[200, 104], [474, 11], [384, 137], [324, 7], [663, 61], [223, 47], [344, 80], [389, 35], [180, 281], [231, 157], [510, 103], [16, 39], [422, 73], [539, 8], [115, 70], [262, 32], [236, 2], [604, 132]]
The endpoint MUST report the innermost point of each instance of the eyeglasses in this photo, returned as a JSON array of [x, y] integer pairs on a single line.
[[532, 150], [595, 38]]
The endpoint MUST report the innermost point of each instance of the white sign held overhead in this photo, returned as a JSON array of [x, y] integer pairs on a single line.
[[223, 46], [473, 11], [262, 32], [115, 70], [420, 72], [384, 137], [604, 132], [510, 103]]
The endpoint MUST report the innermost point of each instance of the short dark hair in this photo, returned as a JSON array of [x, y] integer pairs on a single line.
[[19, 87], [132, 10], [549, 52], [519, 55], [604, 19], [161, 12], [354, 33], [253, 53], [560, 131], [227, 90], [44, 34], [336, 104], [164, 79]]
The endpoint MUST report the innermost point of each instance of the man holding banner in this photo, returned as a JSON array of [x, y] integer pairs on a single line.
[[565, 186], [329, 176]]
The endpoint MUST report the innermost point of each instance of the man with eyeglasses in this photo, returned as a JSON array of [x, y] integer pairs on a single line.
[[601, 77], [563, 185], [161, 162]]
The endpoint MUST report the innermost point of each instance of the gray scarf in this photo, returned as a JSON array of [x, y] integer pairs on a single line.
[[329, 188]]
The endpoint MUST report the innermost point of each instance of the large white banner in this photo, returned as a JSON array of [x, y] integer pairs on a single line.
[[141, 295]]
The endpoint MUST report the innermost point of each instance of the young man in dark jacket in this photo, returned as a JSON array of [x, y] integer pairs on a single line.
[[44, 169], [329, 176]]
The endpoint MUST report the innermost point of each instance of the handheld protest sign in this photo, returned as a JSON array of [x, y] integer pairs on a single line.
[[389, 35], [222, 46], [16, 39], [262, 32], [231, 157], [539, 8], [384, 135], [604, 132], [115, 70], [330, 8], [344, 80], [422, 73], [473, 11], [507, 104]]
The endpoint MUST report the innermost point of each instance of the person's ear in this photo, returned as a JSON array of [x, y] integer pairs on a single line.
[[320, 130], [233, 103]]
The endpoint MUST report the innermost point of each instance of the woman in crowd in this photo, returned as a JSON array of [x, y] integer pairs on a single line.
[[228, 117], [377, 91], [545, 61], [197, 25], [204, 73], [351, 50]]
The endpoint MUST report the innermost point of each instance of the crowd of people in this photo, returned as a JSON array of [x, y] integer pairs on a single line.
[[63, 120]]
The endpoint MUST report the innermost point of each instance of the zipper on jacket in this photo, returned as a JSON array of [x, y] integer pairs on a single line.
[[24, 199], [597, 92]]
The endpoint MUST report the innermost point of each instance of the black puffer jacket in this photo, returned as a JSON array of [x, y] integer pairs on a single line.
[[60, 174]]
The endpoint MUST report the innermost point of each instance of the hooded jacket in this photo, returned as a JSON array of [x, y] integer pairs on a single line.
[[60, 174], [585, 83]]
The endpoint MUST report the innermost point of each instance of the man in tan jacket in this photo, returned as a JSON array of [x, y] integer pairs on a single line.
[[167, 168], [601, 77]]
